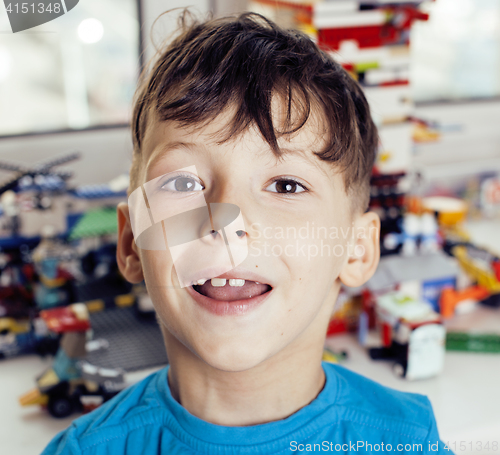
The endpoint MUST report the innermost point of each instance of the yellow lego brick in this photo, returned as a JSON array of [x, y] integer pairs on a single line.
[[52, 282], [48, 379], [33, 397], [95, 305], [328, 357], [484, 277], [14, 326], [124, 300]]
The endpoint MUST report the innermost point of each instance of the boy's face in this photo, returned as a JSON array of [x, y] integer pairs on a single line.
[[300, 235]]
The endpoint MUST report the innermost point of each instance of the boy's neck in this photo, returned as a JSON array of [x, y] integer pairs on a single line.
[[273, 390]]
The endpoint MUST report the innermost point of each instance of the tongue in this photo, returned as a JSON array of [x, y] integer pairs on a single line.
[[228, 293]]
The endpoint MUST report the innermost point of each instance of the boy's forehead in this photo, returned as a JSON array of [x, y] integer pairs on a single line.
[[164, 136]]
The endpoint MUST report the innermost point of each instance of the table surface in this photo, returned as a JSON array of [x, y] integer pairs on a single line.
[[465, 397]]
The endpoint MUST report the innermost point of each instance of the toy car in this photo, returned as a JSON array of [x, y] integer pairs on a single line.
[[413, 336]]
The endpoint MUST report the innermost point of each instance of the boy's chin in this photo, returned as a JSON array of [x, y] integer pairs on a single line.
[[234, 359]]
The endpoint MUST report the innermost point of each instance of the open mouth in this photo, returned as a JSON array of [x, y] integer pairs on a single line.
[[233, 289]]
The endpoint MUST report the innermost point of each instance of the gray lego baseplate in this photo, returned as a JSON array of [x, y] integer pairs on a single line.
[[424, 267], [135, 342]]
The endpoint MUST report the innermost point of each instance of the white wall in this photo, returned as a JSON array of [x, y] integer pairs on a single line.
[[107, 152], [223, 7], [164, 27], [151, 9], [473, 148]]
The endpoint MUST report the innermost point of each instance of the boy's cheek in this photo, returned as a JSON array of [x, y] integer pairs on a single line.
[[158, 269], [304, 249]]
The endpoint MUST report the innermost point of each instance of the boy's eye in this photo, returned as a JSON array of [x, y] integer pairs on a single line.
[[286, 186], [182, 184]]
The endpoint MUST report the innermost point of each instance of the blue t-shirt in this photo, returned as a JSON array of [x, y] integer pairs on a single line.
[[351, 414]]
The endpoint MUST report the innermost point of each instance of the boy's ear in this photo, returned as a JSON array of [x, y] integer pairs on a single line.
[[127, 254], [363, 251]]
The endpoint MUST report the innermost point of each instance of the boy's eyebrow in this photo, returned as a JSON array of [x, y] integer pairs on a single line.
[[159, 152]]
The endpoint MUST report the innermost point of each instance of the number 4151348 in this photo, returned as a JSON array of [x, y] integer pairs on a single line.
[[477, 446], [33, 8]]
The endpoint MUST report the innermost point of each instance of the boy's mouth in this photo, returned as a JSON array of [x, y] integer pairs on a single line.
[[231, 289]]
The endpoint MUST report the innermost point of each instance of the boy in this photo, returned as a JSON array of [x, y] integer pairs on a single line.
[[247, 210]]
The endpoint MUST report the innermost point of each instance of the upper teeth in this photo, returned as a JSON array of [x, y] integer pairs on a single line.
[[219, 282], [201, 282]]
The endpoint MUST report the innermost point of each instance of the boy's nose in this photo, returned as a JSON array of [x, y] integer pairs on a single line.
[[239, 233], [226, 221], [221, 219], [236, 202], [228, 230]]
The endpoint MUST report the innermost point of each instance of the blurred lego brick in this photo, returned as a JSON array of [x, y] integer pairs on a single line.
[[101, 292], [472, 342], [95, 223], [73, 344], [135, 342]]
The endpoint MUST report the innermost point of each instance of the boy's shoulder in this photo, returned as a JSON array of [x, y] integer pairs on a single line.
[[367, 401], [131, 410]]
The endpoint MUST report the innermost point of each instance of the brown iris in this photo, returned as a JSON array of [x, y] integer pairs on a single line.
[[286, 186]]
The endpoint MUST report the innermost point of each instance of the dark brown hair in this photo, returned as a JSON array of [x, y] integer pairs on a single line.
[[243, 62]]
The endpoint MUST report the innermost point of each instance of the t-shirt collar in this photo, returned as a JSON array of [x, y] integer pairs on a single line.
[[276, 433]]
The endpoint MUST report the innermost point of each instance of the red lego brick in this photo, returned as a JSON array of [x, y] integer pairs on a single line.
[[371, 36], [496, 267], [64, 319], [336, 326], [394, 83], [386, 335]]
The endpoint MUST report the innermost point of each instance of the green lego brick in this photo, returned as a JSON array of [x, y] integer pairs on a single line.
[[365, 66], [472, 342], [95, 223]]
